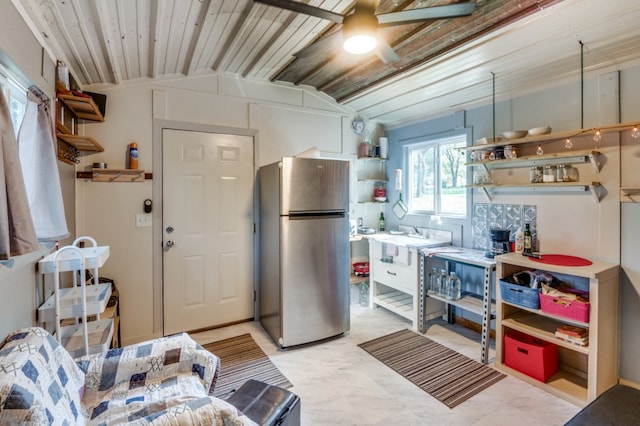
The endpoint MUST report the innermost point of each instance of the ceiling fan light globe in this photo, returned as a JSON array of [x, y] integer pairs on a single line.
[[360, 44]]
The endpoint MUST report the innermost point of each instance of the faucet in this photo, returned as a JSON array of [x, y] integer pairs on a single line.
[[416, 230]]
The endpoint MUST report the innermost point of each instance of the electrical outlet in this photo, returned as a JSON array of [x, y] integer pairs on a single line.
[[143, 220]]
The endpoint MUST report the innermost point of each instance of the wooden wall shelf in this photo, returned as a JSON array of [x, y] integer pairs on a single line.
[[81, 143], [83, 107], [115, 175]]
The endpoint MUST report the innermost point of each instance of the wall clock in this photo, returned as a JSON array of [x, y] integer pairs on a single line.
[[358, 125]]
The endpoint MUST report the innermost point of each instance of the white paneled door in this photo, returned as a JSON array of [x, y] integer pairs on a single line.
[[207, 229]]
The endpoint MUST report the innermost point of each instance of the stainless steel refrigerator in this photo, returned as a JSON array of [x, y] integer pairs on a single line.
[[304, 250]]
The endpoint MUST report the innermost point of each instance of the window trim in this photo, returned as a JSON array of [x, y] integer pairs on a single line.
[[427, 139]]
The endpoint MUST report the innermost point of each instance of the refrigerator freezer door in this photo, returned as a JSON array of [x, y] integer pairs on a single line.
[[315, 278], [311, 184]]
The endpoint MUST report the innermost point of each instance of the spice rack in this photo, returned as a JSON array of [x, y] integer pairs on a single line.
[[569, 157]]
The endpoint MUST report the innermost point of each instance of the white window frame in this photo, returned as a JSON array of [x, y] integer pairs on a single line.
[[462, 136], [14, 92]]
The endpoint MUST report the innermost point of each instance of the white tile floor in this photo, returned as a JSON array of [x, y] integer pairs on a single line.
[[340, 384]]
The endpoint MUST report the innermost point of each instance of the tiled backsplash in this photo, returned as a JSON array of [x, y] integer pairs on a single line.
[[503, 216]]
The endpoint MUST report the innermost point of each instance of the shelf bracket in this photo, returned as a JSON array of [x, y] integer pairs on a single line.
[[595, 191], [486, 193], [594, 157]]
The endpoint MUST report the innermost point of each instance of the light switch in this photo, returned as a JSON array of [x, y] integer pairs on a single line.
[[143, 220]]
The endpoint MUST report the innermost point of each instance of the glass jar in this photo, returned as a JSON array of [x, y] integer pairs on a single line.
[[453, 291], [561, 174], [535, 175], [549, 174]]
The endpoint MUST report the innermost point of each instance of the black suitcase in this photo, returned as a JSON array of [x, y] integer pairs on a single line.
[[267, 405]]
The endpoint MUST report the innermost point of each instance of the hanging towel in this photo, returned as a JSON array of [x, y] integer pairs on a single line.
[[17, 234], [38, 156], [392, 249]]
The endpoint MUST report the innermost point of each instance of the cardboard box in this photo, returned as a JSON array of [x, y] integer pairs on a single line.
[[531, 356]]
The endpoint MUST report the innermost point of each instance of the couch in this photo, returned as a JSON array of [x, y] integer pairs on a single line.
[[166, 381]]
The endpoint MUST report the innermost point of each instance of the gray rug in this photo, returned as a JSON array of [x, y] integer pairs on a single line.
[[242, 359], [443, 373]]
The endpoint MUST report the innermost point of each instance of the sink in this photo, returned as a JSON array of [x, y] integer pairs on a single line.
[[410, 240], [420, 236]]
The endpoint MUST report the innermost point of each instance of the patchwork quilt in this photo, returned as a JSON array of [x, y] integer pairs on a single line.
[[166, 381]]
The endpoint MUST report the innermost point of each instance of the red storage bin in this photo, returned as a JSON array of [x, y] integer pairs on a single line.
[[533, 357], [566, 308]]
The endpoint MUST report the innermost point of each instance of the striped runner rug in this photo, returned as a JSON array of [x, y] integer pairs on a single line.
[[242, 359], [443, 373]]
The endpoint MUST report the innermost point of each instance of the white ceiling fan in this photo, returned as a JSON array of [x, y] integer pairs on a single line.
[[359, 33]]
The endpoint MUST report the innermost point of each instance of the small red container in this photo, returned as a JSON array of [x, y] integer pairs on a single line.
[[361, 269], [566, 308], [533, 357]]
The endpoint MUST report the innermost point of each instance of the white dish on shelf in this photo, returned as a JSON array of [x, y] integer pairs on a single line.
[[484, 141], [515, 134], [381, 199], [536, 131]]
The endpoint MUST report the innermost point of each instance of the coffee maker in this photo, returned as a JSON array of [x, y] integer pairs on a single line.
[[499, 243]]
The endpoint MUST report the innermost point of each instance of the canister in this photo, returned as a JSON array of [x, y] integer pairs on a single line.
[[535, 175], [549, 174]]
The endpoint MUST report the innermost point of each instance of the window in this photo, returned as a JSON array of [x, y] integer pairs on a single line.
[[17, 97], [437, 176]]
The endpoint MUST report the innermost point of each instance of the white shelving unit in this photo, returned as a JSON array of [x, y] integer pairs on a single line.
[[75, 311], [585, 372]]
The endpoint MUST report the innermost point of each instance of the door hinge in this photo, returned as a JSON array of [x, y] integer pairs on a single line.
[[254, 295], [254, 227]]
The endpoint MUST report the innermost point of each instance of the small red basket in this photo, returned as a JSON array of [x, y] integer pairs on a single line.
[[361, 269], [572, 309]]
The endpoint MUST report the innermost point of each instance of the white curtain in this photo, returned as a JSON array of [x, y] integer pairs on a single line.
[[17, 234], [36, 141]]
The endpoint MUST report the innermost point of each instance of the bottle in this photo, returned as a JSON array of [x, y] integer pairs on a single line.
[[528, 240], [443, 283], [133, 155], [434, 276], [454, 292], [381, 226], [519, 240]]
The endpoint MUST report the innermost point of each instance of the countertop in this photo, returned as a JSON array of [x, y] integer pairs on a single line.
[[408, 241]]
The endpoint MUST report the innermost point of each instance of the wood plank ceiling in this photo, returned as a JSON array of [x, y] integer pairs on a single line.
[[444, 65]]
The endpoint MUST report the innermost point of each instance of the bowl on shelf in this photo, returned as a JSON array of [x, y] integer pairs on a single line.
[[515, 134], [381, 199], [484, 141], [536, 131]]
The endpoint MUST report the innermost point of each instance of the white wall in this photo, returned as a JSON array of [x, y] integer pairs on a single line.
[[21, 53], [286, 120]]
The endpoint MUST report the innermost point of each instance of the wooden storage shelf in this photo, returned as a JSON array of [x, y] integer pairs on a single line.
[[115, 175], [549, 137], [585, 372], [82, 107], [81, 143]]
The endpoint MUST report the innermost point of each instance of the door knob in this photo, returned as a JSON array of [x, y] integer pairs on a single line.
[[168, 245]]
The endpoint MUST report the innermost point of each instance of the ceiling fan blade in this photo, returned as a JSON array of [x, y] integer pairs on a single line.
[[294, 6], [425, 13], [386, 52], [325, 46]]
